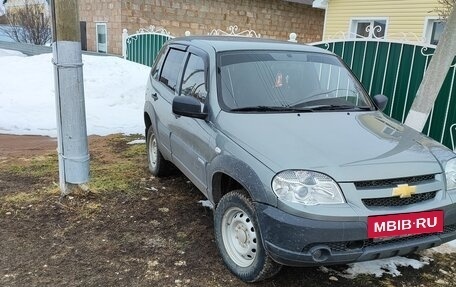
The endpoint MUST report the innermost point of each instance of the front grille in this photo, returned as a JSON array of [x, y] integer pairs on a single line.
[[393, 182], [397, 201], [342, 246]]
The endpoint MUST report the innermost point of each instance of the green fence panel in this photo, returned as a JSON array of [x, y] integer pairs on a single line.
[[396, 70], [444, 112], [143, 48], [379, 69]]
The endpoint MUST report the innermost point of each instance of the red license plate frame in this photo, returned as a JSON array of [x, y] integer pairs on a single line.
[[405, 224]]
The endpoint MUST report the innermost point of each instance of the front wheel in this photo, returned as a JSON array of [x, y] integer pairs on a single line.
[[239, 240]]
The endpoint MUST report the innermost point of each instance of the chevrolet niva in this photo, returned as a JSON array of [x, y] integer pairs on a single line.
[[300, 163]]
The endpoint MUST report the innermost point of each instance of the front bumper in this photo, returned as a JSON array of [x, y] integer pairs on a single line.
[[296, 241]]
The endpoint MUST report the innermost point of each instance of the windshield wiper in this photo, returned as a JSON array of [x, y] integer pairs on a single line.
[[339, 107], [312, 108], [271, 109]]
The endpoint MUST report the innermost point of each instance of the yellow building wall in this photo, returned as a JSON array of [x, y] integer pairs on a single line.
[[403, 16]]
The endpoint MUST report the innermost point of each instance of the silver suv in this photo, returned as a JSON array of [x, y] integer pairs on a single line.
[[300, 163]]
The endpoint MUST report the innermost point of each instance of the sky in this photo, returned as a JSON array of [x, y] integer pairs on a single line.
[[114, 97]]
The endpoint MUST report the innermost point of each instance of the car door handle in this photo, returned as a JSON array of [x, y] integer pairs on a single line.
[[155, 96]]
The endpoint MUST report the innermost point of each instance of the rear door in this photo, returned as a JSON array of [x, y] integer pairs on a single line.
[[166, 82]]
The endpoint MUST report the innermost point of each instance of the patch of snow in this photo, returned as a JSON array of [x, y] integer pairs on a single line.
[[378, 267], [449, 247], [383, 266], [114, 95], [206, 203], [137, 142]]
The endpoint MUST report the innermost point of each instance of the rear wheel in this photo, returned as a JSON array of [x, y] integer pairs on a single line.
[[158, 165], [239, 240]]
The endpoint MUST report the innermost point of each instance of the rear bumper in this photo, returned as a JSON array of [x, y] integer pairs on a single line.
[[296, 241]]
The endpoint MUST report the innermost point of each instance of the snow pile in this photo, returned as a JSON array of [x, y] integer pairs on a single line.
[[114, 95], [5, 53]]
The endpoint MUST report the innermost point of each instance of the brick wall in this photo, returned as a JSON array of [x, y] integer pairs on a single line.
[[102, 11], [270, 18]]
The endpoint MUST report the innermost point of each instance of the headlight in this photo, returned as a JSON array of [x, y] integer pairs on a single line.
[[306, 187], [450, 174]]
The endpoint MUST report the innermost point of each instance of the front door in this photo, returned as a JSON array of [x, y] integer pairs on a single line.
[[192, 140]]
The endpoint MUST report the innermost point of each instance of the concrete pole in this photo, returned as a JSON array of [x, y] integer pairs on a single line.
[[434, 77], [69, 92]]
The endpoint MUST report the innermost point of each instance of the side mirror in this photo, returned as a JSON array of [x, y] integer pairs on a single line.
[[188, 107], [380, 101]]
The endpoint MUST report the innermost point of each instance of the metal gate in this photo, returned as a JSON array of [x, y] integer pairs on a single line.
[[143, 47], [396, 69]]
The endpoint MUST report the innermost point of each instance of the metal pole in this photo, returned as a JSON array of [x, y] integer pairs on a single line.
[[69, 95], [434, 77]]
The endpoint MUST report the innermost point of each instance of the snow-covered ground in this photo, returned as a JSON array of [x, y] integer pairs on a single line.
[[114, 97]]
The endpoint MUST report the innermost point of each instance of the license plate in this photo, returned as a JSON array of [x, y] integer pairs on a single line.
[[405, 224]]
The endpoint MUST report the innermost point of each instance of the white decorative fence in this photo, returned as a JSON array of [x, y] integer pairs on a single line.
[[233, 31]]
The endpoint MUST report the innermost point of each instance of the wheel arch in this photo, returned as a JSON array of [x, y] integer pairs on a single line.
[[222, 183], [147, 121], [149, 117], [229, 173]]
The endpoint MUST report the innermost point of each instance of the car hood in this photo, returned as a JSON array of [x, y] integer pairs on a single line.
[[348, 146]]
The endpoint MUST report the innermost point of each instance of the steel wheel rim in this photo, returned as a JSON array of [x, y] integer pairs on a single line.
[[239, 237], [153, 151]]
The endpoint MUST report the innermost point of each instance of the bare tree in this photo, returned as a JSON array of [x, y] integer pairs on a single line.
[[444, 8], [436, 72], [29, 23]]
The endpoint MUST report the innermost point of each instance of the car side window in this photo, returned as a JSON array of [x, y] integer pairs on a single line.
[[194, 81], [170, 72]]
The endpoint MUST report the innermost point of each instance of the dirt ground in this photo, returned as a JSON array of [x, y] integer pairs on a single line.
[[21, 146], [128, 228]]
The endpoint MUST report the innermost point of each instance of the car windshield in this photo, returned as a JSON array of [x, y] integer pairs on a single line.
[[281, 81]]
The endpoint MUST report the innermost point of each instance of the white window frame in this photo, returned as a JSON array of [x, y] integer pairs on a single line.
[[355, 20], [428, 25], [97, 24]]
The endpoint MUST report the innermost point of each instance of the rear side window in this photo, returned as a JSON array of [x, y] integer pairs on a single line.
[[170, 71], [158, 63], [194, 82]]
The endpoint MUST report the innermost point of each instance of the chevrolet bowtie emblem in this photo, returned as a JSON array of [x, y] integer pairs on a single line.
[[404, 191]]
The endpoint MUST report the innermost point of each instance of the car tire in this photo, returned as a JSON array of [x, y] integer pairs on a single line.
[[158, 165], [239, 240]]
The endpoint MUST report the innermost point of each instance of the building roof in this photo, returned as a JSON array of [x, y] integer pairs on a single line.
[[307, 2]]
